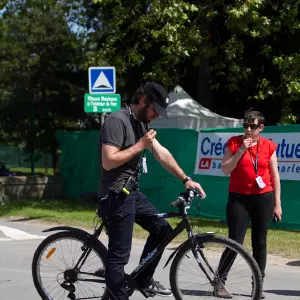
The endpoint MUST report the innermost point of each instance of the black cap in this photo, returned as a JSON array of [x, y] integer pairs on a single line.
[[159, 96]]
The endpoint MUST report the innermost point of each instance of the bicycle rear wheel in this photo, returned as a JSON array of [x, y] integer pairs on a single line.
[[225, 263], [53, 268]]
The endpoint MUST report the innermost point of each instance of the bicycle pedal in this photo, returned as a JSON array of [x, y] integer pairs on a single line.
[[72, 296], [100, 273], [69, 287]]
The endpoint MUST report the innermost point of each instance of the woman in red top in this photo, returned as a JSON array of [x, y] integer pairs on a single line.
[[254, 192]]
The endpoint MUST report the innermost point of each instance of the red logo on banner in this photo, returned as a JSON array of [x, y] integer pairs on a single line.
[[205, 163]]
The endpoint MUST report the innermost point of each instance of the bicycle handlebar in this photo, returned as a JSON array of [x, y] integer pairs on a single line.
[[188, 196], [176, 202]]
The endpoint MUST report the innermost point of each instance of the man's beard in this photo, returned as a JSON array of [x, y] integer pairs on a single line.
[[142, 115]]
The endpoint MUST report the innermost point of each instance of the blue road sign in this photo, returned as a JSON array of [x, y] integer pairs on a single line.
[[102, 80]]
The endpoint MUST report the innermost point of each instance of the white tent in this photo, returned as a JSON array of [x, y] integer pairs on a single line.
[[184, 112]]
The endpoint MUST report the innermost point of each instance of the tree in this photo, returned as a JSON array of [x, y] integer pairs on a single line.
[[252, 46], [146, 40], [42, 82], [258, 56]]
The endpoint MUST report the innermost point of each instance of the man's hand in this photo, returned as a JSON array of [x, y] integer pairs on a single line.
[[146, 141], [197, 186]]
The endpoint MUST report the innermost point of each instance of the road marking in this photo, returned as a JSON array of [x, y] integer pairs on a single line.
[[5, 240], [19, 235]]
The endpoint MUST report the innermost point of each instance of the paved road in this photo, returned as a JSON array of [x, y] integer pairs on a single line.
[[19, 239]]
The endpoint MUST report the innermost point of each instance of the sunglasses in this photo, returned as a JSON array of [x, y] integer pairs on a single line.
[[252, 126]]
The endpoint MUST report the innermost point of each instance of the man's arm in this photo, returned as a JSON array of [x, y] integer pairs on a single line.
[[166, 159], [113, 157], [112, 138]]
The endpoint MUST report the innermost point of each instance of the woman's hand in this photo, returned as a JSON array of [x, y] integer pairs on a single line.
[[246, 144], [277, 212]]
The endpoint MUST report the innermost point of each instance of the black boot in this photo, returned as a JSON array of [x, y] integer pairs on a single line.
[[263, 296]]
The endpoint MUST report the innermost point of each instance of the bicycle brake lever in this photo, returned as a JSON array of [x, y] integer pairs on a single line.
[[195, 192]]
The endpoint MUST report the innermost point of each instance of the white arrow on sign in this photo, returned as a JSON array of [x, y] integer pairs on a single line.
[[102, 82]]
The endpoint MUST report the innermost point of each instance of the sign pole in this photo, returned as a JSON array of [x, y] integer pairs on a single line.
[[33, 137], [102, 119]]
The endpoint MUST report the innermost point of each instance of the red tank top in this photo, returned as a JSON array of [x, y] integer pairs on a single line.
[[243, 177]]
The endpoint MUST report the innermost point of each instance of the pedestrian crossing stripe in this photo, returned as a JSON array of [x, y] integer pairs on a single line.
[[5, 240], [16, 234]]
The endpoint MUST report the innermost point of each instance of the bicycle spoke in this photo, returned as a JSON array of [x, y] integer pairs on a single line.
[[191, 281], [51, 271]]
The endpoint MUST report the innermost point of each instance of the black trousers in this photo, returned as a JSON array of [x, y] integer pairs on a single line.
[[239, 211], [122, 212]]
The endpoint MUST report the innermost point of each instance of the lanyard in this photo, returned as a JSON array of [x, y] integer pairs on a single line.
[[255, 163], [137, 128]]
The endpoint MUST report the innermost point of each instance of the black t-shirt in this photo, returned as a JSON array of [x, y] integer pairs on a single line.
[[121, 130]]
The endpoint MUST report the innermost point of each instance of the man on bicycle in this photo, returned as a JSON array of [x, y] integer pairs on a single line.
[[123, 140]]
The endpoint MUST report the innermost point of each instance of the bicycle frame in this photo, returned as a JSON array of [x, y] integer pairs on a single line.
[[194, 243], [184, 224]]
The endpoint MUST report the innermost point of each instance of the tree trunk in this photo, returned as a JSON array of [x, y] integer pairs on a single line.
[[54, 155], [204, 94]]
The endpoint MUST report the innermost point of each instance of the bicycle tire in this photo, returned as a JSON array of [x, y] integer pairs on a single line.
[[223, 241], [100, 249]]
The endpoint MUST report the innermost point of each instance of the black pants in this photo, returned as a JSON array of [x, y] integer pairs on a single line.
[[239, 211], [122, 212]]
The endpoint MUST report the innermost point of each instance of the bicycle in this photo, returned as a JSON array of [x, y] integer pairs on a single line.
[[73, 273]]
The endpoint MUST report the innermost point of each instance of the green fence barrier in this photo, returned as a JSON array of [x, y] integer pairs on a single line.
[[79, 167], [80, 173], [16, 157]]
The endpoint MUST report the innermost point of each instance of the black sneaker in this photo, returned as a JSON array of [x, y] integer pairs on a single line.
[[158, 289]]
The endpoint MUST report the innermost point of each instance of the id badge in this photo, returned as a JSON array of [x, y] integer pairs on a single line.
[[144, 164], [260, 182]]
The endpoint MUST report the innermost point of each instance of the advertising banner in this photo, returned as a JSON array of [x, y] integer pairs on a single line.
[[211, 147]]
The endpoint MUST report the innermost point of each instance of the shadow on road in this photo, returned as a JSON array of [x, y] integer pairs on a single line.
[[284, 292], [295, 263], [25, 219]]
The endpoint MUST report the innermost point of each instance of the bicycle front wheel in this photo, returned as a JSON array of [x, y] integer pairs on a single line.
[[216, 266], [54, 270]]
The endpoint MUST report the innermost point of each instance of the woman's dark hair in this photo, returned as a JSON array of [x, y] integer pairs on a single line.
[[252, 115], [137, 95]]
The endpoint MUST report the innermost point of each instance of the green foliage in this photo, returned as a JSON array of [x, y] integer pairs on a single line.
[[264, 53], [149, 39], [40, 75], [253, 46]]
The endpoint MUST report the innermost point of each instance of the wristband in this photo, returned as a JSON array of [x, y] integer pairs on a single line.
[[186, 179], [241, 150]]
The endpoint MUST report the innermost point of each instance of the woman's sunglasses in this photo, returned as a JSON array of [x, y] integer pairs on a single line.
[[252, 126]]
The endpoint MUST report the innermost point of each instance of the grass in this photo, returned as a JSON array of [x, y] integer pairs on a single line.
[[77, 213], [27, 171]]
